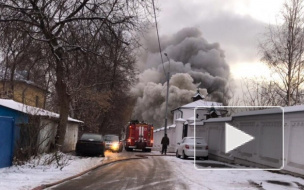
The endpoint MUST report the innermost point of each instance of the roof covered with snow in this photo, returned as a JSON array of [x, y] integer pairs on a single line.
[[296, 108], [11, 104], [198, 95], [163, 128], [180, 119], [270, 110], [219, 119], [200, 103], [192, 119]]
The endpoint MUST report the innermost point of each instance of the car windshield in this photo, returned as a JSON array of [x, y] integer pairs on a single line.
[[198, 140], [95, 137], [111, 138]]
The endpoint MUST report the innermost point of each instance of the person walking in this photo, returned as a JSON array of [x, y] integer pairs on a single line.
[[165, 143]]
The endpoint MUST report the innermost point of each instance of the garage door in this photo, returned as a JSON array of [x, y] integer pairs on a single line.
[[6, 141]]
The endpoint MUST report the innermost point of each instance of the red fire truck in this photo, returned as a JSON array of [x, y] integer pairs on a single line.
[[139, 135]]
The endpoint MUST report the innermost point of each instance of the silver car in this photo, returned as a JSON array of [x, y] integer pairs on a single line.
[[185, 148], [112, 143]]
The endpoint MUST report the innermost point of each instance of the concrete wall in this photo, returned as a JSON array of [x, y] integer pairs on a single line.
[[294, 142], [265, 151], [159, 134]]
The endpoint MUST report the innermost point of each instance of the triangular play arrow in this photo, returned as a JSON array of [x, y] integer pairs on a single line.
[[235, 138]]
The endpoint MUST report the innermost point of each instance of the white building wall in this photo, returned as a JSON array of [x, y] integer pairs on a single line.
[[48, 130], [71, 137], [157, 139], [47, 134], [187, 113], [159, 134], [172, 139], [179, 131]]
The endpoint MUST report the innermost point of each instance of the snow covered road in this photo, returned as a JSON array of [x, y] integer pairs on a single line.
[[151, 173], [165, 172]]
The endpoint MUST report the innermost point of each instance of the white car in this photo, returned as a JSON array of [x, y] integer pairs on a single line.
[[185, 148]]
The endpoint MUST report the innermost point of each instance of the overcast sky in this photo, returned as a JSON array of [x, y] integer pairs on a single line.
[[235, 24]]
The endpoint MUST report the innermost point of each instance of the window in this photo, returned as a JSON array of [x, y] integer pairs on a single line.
[[111, 138], [94, 137]]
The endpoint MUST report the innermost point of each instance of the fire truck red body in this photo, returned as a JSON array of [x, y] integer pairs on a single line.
[[139, 136]]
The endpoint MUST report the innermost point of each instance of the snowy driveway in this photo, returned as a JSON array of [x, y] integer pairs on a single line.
[[151, 173]]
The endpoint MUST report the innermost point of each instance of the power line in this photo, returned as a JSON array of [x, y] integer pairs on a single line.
[[161, 56]]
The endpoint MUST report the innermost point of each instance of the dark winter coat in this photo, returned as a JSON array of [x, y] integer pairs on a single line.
[[165, 141]]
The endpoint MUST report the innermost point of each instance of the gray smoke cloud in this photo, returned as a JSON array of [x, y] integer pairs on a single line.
[[194, 63]]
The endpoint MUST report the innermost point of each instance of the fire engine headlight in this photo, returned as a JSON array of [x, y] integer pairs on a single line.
[[115, 146]]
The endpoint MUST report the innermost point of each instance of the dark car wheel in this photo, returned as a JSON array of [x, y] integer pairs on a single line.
[[177, 156], [184, 155]]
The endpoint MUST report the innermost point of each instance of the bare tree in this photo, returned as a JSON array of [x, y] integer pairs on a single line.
[[55, 24], [283, 52], [107, 84], [260, 92]]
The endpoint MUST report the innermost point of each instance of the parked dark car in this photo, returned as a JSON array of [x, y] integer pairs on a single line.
[[112, 143], [90, 144]]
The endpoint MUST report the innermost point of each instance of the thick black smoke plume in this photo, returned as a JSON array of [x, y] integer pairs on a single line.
[[194, 63]]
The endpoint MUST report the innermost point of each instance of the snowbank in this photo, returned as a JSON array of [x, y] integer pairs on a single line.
[[36, 172], [230, 179]]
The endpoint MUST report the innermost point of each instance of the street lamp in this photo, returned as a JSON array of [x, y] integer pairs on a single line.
[[167, 99]]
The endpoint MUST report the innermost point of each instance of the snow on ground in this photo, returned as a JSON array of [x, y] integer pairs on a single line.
[[230, 179], [36, 173]]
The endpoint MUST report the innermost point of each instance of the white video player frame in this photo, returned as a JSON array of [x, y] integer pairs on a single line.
[[245, 168]]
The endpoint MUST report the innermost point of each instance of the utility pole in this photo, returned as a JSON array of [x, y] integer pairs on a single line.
[[167, 97]]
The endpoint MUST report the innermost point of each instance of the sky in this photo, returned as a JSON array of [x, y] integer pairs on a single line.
[[237, 25]]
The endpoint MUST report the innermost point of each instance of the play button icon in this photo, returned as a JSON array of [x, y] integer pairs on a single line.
[[235, 138]]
